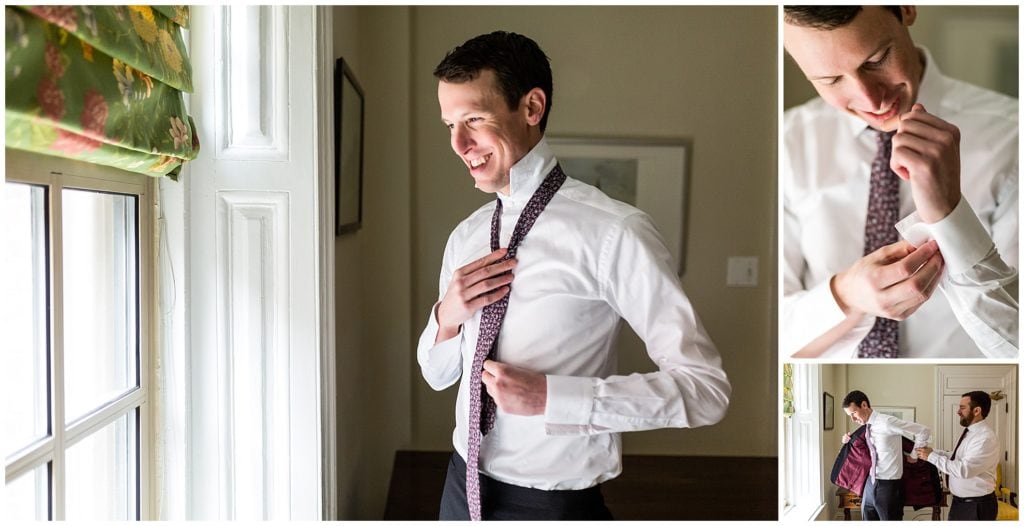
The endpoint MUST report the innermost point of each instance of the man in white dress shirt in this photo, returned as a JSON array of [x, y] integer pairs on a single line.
[[954, 159], [587, 262], [883, 497], [971, 465]]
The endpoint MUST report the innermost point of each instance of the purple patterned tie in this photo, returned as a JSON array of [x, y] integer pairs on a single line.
[[482, 409], [879, 231], [872, 451]]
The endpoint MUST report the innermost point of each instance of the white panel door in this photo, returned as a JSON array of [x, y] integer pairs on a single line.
[[953, 381], [253, 205]]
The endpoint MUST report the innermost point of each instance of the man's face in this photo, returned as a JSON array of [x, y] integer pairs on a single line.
[[965, 412], [868, 68], [485, 133], [858, 413]]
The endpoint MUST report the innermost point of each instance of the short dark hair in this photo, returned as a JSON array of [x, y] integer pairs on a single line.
[[980, 399], [828, 17], [518, 63], [856, 398]]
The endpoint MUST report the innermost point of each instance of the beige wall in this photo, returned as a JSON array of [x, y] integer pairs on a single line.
[[372, 274], [833, 382], [635, 72], [941, 30]]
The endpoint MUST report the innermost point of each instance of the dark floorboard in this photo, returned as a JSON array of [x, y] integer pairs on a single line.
[[649, 488]]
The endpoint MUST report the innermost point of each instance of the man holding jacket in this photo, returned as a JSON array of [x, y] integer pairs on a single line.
[[883, 497]]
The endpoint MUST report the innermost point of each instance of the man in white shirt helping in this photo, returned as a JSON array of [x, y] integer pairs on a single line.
[[530, 327], [883, 497], [971, 466], [894, 149]]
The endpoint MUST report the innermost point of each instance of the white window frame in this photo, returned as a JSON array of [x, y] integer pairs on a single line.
[[56, 174], [801, 444]]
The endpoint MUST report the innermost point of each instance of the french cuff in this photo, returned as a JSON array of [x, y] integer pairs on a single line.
[[962, 239], [570, 400]]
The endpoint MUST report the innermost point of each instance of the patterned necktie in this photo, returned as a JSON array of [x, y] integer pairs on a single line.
[[482, 408], [879, 231], [953, 456], [872, 451]]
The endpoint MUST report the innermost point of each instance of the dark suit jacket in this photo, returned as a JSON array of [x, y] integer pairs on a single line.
[[921, 486]]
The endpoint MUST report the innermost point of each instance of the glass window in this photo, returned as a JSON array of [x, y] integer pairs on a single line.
[[24, 324], [100, 298], [100, 473]]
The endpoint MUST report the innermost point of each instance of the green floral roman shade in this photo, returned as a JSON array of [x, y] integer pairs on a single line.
[[101, 84]]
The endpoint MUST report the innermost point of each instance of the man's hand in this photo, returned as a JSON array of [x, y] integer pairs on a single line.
[[473, 287], [926, 152], [911, 459], [846, 438], [924, 452], [891, 282], [515, 390]]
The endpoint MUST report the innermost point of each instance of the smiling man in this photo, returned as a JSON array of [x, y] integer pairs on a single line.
[[891, 149], [882, 497], [533, 288]]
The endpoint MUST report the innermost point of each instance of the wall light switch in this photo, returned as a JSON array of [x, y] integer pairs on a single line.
[[742, 272]]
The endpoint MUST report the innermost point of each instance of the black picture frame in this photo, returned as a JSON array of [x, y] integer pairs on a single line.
[[349, 118], [828, 416]]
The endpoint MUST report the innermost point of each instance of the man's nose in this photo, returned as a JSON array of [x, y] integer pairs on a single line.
[[461, 139], [870, 94]]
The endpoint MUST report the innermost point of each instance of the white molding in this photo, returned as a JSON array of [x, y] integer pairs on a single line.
[[253, 322], [323, 105], [251, 46]]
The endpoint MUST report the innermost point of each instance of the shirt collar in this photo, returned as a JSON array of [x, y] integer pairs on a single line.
[[929, 93], [528, 173], [977, 425]]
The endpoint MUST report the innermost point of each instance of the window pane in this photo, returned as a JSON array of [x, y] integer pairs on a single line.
[[100, 298], [23, 323], [101, 473], [28, 497]]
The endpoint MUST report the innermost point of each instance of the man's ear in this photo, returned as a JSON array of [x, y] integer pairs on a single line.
[[534, 103], [909, 14]]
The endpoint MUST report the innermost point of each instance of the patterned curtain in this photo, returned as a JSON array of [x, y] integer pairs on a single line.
[[787, 390], [101, 84]]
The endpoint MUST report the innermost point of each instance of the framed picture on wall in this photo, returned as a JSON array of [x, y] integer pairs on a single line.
[[906, 414], [648, 174], [828, 416], [348, 149]]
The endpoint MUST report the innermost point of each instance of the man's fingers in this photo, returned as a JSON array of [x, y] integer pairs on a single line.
[[487, 285], [490, 270], [492, 367], [484, 300], [893, 252], [906, 297], [902, 269], [483, 262]]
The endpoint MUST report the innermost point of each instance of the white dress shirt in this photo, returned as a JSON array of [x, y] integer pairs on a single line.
[[826, 178], [887, 436], [973, 473], [588, 261]]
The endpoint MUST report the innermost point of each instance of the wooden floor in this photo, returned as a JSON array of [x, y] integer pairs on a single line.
[[649, 488]]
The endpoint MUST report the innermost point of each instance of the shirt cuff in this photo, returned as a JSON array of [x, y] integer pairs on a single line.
[[430, 351], [962, 239], [570, 400]]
